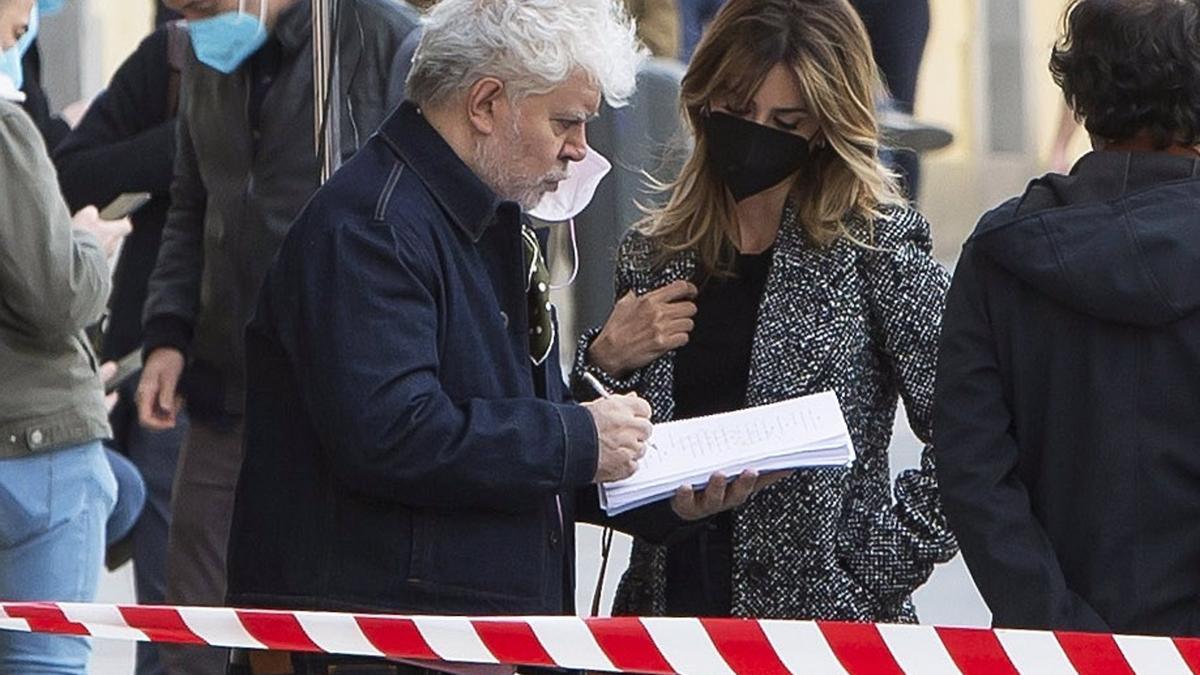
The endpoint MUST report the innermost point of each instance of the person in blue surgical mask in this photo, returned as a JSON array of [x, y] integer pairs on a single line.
[[245, 164], [23, 66]]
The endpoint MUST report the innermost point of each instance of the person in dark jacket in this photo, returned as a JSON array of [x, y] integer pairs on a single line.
[[1067, 435], [410, 443], [126, 143], [246, 162]]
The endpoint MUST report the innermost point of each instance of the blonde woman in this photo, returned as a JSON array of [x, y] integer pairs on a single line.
[[785, 263]]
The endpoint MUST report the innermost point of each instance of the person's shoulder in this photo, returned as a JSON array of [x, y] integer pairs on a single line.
[[377, 190], [996, 218], [153, 47], [388, 16], [897, 225], [16, 125]]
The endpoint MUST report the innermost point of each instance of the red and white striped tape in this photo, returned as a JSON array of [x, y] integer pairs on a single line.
[[658, 645]]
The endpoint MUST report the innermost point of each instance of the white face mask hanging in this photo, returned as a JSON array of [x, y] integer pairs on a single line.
[[571, 198]]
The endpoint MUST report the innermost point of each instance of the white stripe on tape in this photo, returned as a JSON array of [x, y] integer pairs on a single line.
[[1032, 652], [102, 621], [802, 647], [918, 649], [686, 646], [336, 633], [453, 638], [569, 642], [9, 623], [1154, 655], [218, 626]]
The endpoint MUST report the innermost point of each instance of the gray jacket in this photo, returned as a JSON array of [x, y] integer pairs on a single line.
[[54, 281], [236, 192]]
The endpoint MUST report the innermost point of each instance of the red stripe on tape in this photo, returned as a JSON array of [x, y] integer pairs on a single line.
[[1189, 649], [860, 648], [628, 645], [512, 642], [744, 646], [45, 617], [396, 637], [1094, 653], [976, 652], [277, 630], [160, 624]]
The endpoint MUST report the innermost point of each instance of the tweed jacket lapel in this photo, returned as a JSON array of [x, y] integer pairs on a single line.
[[798, 322], [798, 318]]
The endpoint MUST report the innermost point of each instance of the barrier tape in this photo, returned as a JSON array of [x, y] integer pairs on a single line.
[[629, 645]]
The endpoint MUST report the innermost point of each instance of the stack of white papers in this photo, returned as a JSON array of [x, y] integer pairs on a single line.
[[804, 432]]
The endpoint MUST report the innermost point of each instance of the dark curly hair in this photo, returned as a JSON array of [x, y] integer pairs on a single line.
[[1132, 67]]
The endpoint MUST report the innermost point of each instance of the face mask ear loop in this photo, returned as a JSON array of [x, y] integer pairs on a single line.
[[574, 259]]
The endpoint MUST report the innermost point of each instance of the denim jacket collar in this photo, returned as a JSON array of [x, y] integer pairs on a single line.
[[471, 204]]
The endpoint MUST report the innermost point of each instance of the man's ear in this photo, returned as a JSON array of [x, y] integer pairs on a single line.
[[483, 100]]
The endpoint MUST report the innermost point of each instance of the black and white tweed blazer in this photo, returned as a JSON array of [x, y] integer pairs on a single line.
[[827, 543]]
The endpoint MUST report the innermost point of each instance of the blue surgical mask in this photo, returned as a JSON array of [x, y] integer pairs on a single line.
[[10, 59], [225, 41], [49, 7]]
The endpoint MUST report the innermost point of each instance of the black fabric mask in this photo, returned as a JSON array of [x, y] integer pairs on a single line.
[[751, 157]]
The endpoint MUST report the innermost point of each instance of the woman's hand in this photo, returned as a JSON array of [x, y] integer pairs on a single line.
[[642, 328], [721, 494]]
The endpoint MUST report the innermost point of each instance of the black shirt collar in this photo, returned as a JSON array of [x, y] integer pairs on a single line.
[[470, 203]]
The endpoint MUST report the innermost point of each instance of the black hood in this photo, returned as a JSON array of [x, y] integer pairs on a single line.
[[1118, 239]]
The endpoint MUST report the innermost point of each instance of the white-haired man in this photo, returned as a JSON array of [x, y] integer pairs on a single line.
[[410, 446]]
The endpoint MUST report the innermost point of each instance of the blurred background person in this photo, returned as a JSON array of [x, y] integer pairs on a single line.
[[899, 30], [785, 263], [658, 25], [695, 16], [1070, 366], [56, 488]]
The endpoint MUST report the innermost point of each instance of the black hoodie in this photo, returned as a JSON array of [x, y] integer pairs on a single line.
[[1067, 419]]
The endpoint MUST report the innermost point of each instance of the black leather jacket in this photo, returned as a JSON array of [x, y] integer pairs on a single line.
[[238, 184]]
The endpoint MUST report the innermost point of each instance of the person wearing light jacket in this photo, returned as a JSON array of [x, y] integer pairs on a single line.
[[56, 487]]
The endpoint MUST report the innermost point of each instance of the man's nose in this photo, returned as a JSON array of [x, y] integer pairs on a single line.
[[575, 148]]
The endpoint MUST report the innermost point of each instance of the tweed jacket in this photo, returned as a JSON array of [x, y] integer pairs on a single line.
[[828, 543]]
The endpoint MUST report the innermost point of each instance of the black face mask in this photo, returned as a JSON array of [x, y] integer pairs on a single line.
[[751, 157]]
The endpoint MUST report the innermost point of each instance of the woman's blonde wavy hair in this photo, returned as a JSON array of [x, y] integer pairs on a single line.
[[826, 44]]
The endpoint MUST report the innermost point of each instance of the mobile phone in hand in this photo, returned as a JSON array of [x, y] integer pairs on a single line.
[[128, 365], [124, 205]]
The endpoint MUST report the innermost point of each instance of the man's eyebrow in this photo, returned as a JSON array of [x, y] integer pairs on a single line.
[[577, 116]]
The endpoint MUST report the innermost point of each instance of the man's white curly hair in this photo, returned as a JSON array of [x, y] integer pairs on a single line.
[[533, 46]]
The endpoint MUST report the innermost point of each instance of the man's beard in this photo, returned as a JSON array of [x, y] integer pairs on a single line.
[[494, 159]]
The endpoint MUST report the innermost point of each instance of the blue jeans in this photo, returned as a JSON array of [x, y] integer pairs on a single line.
[[53, 507]]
